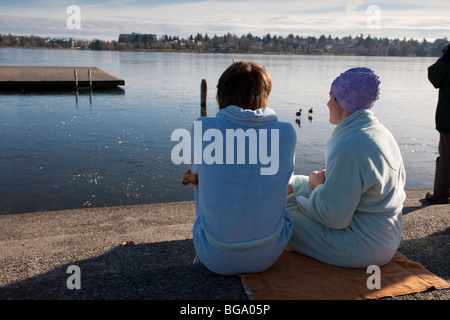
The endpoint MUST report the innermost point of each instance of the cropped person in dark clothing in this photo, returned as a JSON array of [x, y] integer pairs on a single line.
[[439, 76]]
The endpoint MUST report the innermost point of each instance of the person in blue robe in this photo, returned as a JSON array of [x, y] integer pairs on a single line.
[[349, 213]]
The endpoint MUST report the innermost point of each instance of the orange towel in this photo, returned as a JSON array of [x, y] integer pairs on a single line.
[[297, 277]]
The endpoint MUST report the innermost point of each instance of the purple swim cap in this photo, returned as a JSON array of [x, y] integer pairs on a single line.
[[356, 88]]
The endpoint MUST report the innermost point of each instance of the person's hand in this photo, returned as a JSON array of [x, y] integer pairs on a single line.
[[190, 178], [316, 178], [290, 189]]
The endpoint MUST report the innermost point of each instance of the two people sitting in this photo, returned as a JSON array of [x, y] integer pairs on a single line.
[[347, 214]]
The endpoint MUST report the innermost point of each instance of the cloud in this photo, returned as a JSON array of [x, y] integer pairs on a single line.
[[352, 5], [107, 19]]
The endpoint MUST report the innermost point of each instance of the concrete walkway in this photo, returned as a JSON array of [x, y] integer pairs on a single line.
[[36, 250]]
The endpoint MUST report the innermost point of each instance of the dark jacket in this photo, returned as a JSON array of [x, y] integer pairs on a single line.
[[439, 76]]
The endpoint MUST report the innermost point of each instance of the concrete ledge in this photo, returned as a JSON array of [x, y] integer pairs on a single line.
[[37, 248]]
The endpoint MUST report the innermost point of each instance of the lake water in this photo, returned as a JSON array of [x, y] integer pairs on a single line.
[[57, 152]]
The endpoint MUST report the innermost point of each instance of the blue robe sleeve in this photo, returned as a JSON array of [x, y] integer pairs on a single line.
[[334, 202]]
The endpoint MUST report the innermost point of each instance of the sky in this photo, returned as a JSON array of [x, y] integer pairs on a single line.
[[105, 20]]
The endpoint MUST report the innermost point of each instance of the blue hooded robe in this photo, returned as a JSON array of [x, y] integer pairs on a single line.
[[242, 225], [354, 219]]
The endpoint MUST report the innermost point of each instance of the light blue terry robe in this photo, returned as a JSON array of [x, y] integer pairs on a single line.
[[242, 224], [354, 219]]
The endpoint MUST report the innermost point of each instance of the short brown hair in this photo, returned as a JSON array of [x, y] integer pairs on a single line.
[[244, 84]]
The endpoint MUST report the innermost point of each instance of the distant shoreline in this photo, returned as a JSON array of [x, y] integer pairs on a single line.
[[214, 52], [232, 44]]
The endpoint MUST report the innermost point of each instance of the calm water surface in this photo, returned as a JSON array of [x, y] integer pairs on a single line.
[[57, 152]]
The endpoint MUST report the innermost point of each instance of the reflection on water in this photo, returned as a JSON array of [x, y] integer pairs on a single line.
[[61, 151]]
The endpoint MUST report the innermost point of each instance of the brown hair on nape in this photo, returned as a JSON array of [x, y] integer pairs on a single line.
[[244, 84]]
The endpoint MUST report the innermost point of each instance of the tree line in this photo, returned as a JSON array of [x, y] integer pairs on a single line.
[[230, 43]]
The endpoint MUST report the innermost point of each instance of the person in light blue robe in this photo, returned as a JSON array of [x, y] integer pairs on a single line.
[[244, 159], [349, 214]]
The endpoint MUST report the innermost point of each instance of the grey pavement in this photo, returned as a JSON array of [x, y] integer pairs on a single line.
[[36, 250]]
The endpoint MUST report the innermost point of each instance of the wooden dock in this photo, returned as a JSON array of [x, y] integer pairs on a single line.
[[56, 78]]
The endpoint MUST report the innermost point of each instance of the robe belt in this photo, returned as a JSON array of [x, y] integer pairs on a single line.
[[388, 213], [249, 244]]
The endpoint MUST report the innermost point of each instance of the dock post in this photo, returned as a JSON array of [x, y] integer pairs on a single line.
[[76, 79], [203, 98], [90, 85], [76, 84], [90, 78]]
